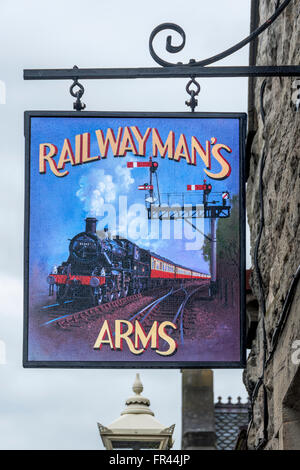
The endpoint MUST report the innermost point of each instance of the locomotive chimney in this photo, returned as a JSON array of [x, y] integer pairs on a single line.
[[90, 224]]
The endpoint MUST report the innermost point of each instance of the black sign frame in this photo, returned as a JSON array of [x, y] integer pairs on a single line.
[[242, 117]]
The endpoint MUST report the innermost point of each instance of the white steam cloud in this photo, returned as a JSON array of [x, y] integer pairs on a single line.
[[98, 188]]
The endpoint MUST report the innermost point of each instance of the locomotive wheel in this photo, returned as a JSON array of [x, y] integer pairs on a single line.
[[60, 295], [98, 298], [109, 296], [125, 291]]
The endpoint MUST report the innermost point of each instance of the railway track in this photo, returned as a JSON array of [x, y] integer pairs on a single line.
[[159, 305], [179, 317], [77, 318], [149, 309], [163, 308]]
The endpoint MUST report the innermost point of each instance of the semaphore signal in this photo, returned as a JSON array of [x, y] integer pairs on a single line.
[[147, 187], [139, 164], [211, 210]]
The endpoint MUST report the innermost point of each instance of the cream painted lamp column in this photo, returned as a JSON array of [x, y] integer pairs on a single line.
[[136, 428]]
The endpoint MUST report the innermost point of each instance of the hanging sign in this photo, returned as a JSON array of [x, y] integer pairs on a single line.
[[134, 239]]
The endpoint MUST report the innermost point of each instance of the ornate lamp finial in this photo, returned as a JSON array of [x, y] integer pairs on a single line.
[[137, 386]]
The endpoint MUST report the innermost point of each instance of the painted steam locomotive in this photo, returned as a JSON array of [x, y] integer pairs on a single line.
[[101, 270]]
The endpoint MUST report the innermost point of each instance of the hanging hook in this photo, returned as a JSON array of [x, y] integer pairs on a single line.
[[193, 102], [77, 105]]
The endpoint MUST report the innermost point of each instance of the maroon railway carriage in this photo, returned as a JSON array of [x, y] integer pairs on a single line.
[[164, 269]]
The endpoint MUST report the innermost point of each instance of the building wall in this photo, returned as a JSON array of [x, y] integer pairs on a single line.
[[279, 248]]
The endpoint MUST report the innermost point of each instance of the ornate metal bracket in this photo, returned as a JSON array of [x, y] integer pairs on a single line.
[[172, 70], [173, 49]]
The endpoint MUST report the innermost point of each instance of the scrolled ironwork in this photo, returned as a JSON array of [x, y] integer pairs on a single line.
[[174, 49], [169, 47]]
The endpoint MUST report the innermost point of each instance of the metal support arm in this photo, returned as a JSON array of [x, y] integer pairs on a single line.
[[176, 71]]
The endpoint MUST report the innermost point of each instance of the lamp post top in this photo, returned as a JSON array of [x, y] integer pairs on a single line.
[[137, 404], [137, 423]]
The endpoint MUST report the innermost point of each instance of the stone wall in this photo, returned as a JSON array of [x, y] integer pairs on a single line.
[[279, 250]]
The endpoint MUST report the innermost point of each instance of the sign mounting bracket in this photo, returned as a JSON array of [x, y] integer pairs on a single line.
[[177, 70]]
